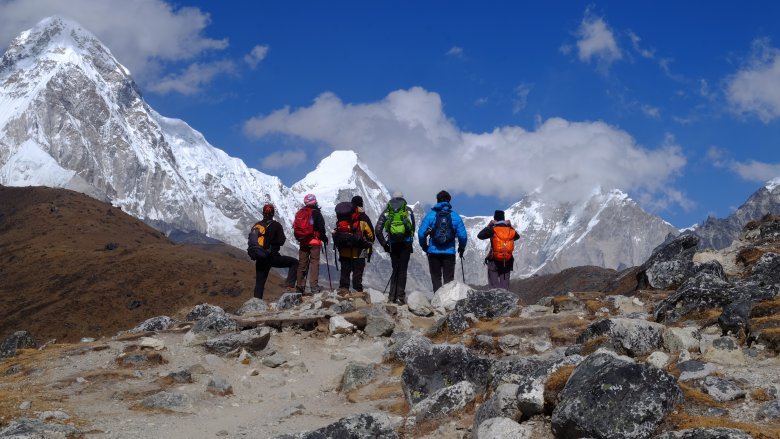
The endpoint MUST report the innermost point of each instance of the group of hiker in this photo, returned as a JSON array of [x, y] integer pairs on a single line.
[[441, 235]]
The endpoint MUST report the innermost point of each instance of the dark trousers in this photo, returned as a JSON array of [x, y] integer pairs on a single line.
[[442, 266], [354, 267], [498, 274], [399, 257], [263, 266]]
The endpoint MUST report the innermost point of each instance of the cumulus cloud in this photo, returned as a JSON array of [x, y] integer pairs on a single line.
[[408, 133], [193, 78], [256, 55], [751, 170], [455, 52], [755, 89], [596, 40], [142, 34], [283, 159]]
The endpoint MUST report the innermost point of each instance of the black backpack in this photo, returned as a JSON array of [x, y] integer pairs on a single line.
[[257, 248], [348, 233], [442, 233]]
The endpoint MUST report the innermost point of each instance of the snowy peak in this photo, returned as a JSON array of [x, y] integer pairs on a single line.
[[772, 184]]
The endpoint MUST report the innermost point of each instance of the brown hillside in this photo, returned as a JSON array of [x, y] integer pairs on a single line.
[[584, 278], [72, 267]]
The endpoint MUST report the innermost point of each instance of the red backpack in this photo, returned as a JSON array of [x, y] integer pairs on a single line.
[[348, 233], [303, 225]]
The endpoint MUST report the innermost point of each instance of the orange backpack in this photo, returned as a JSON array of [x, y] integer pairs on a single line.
[[503, 243]]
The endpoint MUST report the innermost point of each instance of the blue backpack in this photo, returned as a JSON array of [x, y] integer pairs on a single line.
[[443, 233]]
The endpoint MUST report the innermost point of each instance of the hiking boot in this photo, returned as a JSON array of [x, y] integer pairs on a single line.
[[343, 291], [301, 290]]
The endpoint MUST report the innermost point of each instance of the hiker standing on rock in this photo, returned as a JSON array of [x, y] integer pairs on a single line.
[[265, 240], [309, 229], [436, 236], [499, 260], [354, 238], [397, 221]]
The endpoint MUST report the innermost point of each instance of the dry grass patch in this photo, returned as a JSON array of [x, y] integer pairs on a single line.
[[555, 384], [766, 309], [697, 397], [682, 420], [761, 394], [566, 329]]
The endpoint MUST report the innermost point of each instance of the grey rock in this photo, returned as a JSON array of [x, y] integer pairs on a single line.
[[530, 387], [608, 397], [180, 376], [201, 311], [722, 390], [735, 318], [503, 403], [438, 368], [694, 370], [25, 428], [18, 340], [48, 415], [482, 305], [484, 342], [501, 428], [342, 307], [219, 385], [509, 343], [274, 360], [289, 300], [356, 375], [525, 369], [160, 323], [628, 336], [443, 402], [166, 401], [360, 426], [418, 304], [705, 433], [255, 339], [214, 323], [769, 410], [767, 269], [252, 306], [669, 265], [681, 339], [725, 350], [378, 322], [406, 346]]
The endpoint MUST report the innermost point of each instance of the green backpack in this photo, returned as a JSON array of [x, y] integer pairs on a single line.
[[398, 225]]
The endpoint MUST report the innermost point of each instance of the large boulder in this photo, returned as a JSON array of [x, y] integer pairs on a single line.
[[289, 300], [201, 311], [610, 397], [378, 322], [705, 433], [735, 318], [360, 426], [418, 304], [18, 340], [449, 294], [154, 324], [441, 366], [503, 404], [406, 346], [482, 305], [526, 370], [24, 428], [502, 428], [252, 306], [633, 337], [669, 265], [255, 339], [442, 403], [355, 375], [213, 324]]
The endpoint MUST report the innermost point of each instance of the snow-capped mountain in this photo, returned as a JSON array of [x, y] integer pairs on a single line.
[[718, 233], [71, 116]]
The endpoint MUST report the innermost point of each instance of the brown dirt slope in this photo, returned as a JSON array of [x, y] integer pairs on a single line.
[[584, 278], [72, 267]]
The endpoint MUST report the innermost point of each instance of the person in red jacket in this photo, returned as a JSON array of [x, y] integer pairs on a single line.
[[309, 252]]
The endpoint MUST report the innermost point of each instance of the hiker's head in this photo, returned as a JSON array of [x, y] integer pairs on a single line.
[[443, 196], [498, 215], [357, 200], [268, 211], [310, 200], [398, 194]]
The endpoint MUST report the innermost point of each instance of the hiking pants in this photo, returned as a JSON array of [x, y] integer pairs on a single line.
[[442, 266], [399, 257], [263, 266], [309, 257], [498, 275], [355, 267]]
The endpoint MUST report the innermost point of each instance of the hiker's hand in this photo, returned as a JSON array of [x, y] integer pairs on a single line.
[[461, 250], [508, 222], [386, 247], [492, 223]]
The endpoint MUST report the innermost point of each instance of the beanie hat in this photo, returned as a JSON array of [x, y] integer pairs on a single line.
[[498, 215], [443, 196], [310, 200], [398, 194], [357, 200], [268, 210]]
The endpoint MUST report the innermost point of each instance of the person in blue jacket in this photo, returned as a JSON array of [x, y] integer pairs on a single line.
[[437, 235]]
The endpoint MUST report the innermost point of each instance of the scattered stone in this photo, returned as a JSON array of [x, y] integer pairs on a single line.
[[151, 342], [339, 325], [166, 401], [705, 433], [681, 339], [140, 359], [25, 405], [626, 305], [252, 306], [443, 402], [211, 325], [364, 425], [274, 360], [722, 390], [509, 343], [725, 350], [219, 386], [19, 340], [481, 305], [449, 294], [159, 323], [629, 336], [669, 265], [356, 375], [769, 410], [251, 339], [244, 357], [202, 311], [694, 370], [658, 359], [376, 297], [179, 377], [503, 403], [484, 342], [735, 318], [541, 346], [608, 397], [87, 340], [532, 374], [338, 356], [379, 323], [25, 428], [406, 346], [342, 307], [48, 415], [531, 311], [289, 300], [501, 428], [223, 433], [418, 304], [568, 304]]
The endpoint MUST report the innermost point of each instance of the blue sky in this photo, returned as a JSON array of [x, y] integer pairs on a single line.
[[676, 103]]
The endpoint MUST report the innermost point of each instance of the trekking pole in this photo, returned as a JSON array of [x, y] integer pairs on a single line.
[[389, 278], [327, 264], [462, 269]]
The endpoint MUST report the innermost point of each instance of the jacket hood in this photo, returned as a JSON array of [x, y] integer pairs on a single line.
[[396, 203], [444, 205]]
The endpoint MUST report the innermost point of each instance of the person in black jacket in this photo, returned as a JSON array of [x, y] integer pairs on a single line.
[[309, 252], [397, 245], [353, 259], [274, 239], [498, 271]]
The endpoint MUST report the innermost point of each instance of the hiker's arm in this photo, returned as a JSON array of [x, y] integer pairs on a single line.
[[460, 230], [422, 237], [319, 226], [517, 236], [380, 226], [486, 233]]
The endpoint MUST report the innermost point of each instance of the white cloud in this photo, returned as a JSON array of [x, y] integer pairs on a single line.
[[751, 170], [481, 101], [521, 97], [455, 52], [652, 112], [283, 159], [596, 40], [192, 79], [142, 34], [408, 133], [644, 53], [256, 55], [755, 89]]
